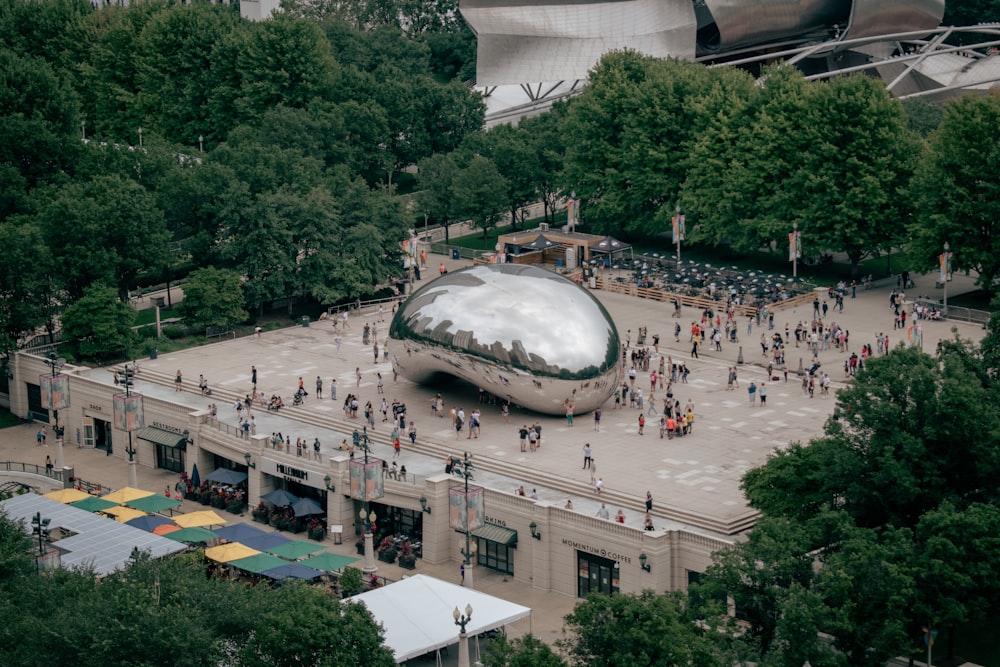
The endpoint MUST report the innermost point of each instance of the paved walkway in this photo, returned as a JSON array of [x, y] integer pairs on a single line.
[[698, 474]]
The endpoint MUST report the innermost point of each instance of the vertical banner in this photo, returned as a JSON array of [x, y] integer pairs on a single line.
[[572, 213], [944, 263], [466, 509], [678, 227], [366, 479], [794, 246], [128, 412], [55, 391]]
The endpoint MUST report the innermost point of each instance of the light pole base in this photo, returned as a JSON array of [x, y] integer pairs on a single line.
[[133, 478], [369, 564], [60, 461]]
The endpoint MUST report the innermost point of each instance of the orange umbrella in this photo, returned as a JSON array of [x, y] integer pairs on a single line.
[[165, 528]]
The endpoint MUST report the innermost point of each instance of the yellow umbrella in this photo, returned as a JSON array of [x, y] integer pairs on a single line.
[[198, 519], [232, 551], [123, 514], [66, 495], [122, 496]]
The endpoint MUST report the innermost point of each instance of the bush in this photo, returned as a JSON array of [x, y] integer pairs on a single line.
[[173, 331]]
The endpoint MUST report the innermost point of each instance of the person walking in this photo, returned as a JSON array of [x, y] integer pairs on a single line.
[[253, 377], [319, 387], [752, 391], [598, 486], [763, 395], [597, 419], [586, 456], [642, 422], [649, 501]]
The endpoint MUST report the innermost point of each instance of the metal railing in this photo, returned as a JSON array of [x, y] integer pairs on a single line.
[[31, 469]]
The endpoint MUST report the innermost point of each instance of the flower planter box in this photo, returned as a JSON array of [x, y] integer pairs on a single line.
[[235, 508], [260, 516], [317, 534], [409, 563], [387, 556]]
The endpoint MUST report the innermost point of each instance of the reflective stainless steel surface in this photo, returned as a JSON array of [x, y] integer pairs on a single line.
[[519, 332]]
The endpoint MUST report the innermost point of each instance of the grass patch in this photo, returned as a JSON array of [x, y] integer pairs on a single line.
[[7, 420], [148, 316]]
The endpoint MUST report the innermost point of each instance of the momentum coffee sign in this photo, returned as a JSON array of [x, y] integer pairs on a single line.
[[597, 551]]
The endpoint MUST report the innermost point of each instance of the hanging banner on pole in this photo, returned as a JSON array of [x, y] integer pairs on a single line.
[[466, 509], [128, 412], [678, 227], [55, 391], [794, 246], [944, 264]]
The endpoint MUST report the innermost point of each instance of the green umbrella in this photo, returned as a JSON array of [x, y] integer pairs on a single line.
[[258, 563], [294, 549], [188, 535], [328, 562], [153, 504], [94, 504]]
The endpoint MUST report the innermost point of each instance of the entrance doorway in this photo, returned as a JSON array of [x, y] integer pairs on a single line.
[[97, 433], [596, 575]]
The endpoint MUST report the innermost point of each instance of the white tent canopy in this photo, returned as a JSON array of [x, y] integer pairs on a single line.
[[417, 613]]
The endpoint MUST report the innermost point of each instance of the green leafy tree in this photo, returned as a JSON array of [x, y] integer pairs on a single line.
[[511, 151], [630, 135], [105, 230], [174, 69], [26, 284], [644, 629], [955, 202], [37, 114], [98, 324], [526, 651], [303, 625], [478, 193], [833, 158], [546, 135], [213, 298]]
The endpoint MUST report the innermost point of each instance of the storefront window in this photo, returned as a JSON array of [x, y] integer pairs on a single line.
[[495, 556], [170, 458], [596, 575]]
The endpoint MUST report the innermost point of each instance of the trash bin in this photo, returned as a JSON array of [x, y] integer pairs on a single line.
[[559, 262], [159, 301], [152, 353], [456, 253], [305, 320]]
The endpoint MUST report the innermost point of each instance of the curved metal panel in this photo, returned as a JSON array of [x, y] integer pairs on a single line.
[[537, 40], [741, 22], [871, 18], [518, 332]]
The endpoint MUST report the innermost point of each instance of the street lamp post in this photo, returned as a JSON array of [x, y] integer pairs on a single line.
[[128, 413], [40, 527], [201, 143], [678, 231], [55, 363], [461, 620], [465, 468], [140, 137], [366, 514], [795, 249], [947, 265]]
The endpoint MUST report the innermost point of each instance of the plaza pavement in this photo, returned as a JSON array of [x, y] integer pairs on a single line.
[[694, 475]]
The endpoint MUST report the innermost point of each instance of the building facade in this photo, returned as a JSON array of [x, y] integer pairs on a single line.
[[549, 547]]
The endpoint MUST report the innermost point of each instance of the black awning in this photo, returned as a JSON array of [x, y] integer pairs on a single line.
[[163, 437], [498, 534]]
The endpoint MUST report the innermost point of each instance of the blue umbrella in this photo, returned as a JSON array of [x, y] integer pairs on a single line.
[[195, 477], [239, 532], [280, 497], [265, 541], [306, 507], [149, 522], [226, 476]]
